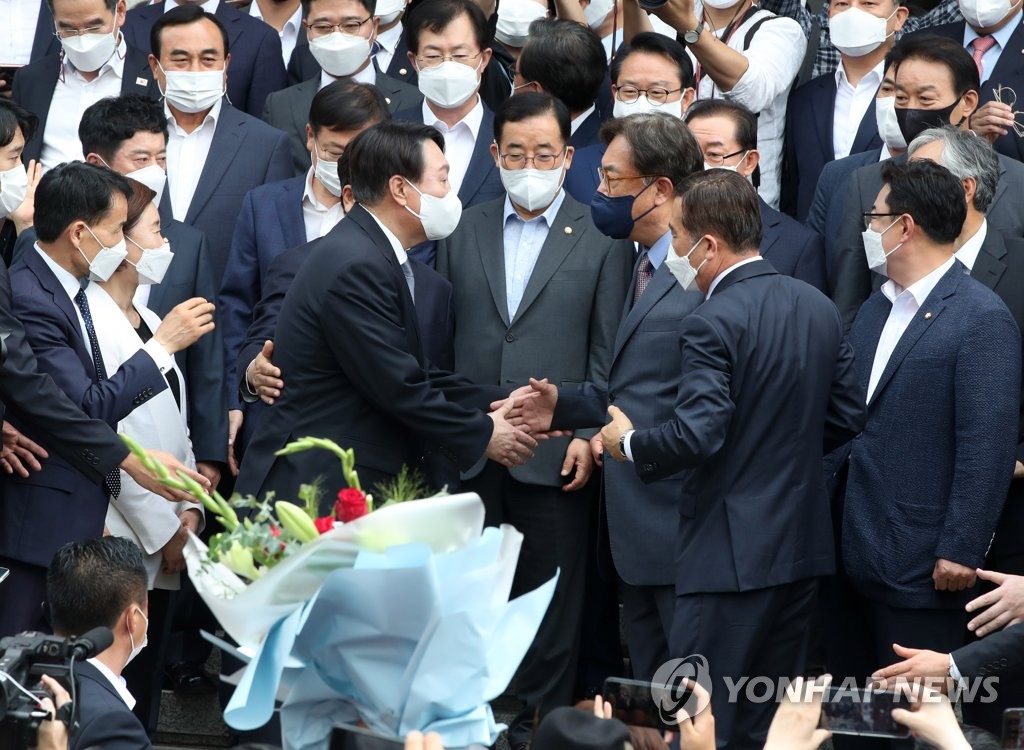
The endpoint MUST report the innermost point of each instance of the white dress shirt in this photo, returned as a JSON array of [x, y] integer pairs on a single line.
[[210, 6], [991, 58], [71, 97], [852, 104], [186, 157], [574, 125], [396, 244], [318, 218], [387, 42], [968, 252], [367, 75], [289, 33], [118, 682], [905, 304], [523, 241], [459, 141], [18, 31]]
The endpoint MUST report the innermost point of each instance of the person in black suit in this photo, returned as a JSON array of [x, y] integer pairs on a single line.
[[833, 116], [17, 181], [361, 377], [727, 134], [767, 382], [257, 69], [80, 75], [101, 583]]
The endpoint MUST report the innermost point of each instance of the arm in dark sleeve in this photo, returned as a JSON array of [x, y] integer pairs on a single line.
[[999, 653], [850, 282], [847, 407], [810, 264], [268, 75], [240, 290]]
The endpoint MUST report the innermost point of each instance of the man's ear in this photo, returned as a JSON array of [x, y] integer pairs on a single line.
[[495, 153], [750, 162]]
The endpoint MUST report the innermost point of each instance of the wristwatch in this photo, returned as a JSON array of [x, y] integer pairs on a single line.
[[622, 443], [691, 36]]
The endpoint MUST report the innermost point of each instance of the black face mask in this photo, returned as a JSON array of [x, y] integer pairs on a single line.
[[913, 122]]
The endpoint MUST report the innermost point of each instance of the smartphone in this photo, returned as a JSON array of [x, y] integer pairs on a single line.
[[4, 572], [863, 712], [1013, 728], [644, 704], [7, 72], [348, 737]]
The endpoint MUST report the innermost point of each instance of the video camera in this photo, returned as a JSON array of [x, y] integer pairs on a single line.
[[24, 658]]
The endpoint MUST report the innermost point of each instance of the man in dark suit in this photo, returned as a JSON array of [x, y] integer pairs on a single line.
[[919, 512], [215, 153], [328, 23], [256, 66], [101, 583], [27, 35], [833, 116], [79, 213], [518, 265], [17, 125], [347, 338], [67, 83], [727, 134], [286, 214], [754, 531]]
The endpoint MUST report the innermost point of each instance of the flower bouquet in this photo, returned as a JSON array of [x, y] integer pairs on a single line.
[[398, 617]]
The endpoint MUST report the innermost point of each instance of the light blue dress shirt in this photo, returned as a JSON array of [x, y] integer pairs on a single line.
[[523, 241]]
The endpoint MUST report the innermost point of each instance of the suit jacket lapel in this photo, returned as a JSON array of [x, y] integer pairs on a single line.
[[491, 246], [660, 285], [481, 162], [770, 228], [289, 211], [563, 234], [52, 285], [865, 335], [227, 139], [40, 96], [826, 106], [989, 265], [867, 133], [44, 37], [137, 77], [400, 67], [1010, 66], [302, 99]]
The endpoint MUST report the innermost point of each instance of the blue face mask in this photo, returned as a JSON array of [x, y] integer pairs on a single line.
[[613, 216]]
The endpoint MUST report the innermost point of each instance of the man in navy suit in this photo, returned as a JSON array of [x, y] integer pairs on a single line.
[[256, 66], [766, 383], [80, 210], [67, 83], [289, 213], [920, 510], [101, 583], [727, 134], [833, 116], [215, 153]]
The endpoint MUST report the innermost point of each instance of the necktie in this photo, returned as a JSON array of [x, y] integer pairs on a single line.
[[643, 277], [113, 480], [410, 279], [979, 47]]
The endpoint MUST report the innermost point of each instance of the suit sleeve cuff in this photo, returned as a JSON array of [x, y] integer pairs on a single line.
[[163, 360], [625, 445], [954, 672]]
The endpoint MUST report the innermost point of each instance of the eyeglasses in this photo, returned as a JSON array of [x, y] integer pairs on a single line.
[[71, 33], [540, 161], [870, 216], [350, 27], [1006, 95], [433, 61], [327, 154], [716, 161], [629, 94], [605, 179]]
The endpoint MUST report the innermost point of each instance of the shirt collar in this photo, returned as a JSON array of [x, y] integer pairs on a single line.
[[471, 120], [114, 65], [921, 288], [71, 283], [367, 75], [578, 120], [548, 217], [396, 244], [873, 77], [1002, 36], [388, 40], [118, 682], [211, 117], [210, 6], [659, 250], [308, 196], [729, 270], [294, 22], [968, 252]]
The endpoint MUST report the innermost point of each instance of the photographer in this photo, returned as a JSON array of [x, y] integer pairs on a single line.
[[53, 733], [102, 583]]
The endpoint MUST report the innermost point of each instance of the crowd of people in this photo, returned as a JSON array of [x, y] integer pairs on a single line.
[[719, 303]]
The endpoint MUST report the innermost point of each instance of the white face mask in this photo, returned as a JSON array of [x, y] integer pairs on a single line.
[[102, 267], [874, 252], [720, 4], [153, 264], [327, 172], [13, 189], [680, 267], [136, 650], [643, 105], [340, 54], [450, 84], [88, 52], [514, 19], [597, 11], [856, 32], [152, 177], [388, 11], [888, 126], [193, 92], [981, 14], [532, 189], [439, 216]]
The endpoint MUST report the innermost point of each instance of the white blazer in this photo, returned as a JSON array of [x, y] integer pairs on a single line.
[[136, 513]]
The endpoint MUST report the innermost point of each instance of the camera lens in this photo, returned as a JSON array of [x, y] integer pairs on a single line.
[[651, 5]]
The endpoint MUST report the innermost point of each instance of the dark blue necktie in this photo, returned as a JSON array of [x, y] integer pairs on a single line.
[[113, 480]]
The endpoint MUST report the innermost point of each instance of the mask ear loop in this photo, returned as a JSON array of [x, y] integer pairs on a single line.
[[1010, 100]]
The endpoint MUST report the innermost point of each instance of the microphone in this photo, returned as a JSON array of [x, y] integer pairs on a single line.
[[91, 643]]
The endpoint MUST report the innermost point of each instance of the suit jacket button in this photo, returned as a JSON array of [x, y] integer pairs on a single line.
[[611, 397], [982, 671], [509, 338]]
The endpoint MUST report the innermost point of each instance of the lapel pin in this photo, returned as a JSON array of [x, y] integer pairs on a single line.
[[141, 82], [927, 316], [567, 230], [402, 71], [387, 100]]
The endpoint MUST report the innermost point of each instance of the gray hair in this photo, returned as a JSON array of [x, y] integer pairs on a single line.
[[661, 143], [965, 155]]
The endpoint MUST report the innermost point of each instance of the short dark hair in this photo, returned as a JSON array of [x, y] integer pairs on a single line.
[[111, 5], [939, 50], [385, 150], [140, 197], [661, 144], [652, 43], [344, 169], [567, 59], [930, 194], [14, 117], [723, 204], [532, 104], [744, 120], [89, 584], [75, 191], [347, 105], [110, 122], [435, 15], [183, 15], [369, 5]]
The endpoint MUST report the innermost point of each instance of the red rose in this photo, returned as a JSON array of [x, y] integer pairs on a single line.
[[274, 531], [324, 524], [351, 505]]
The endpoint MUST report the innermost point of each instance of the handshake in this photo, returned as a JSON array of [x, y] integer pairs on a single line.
[[520, 421]]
